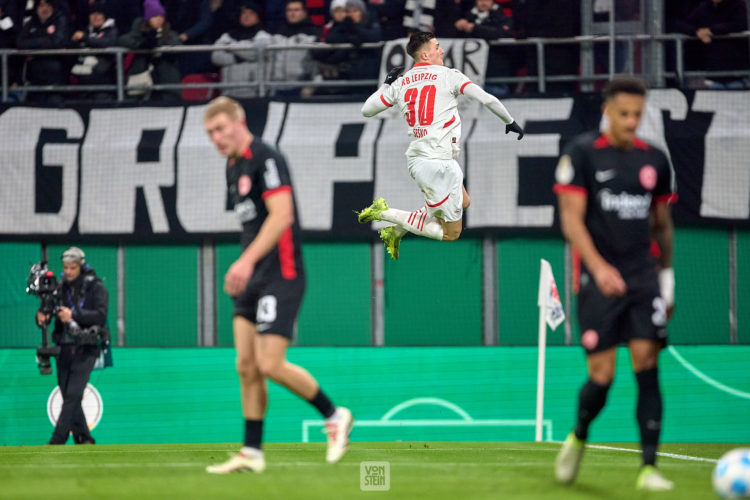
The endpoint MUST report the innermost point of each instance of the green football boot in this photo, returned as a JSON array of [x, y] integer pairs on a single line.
[[391, 240], [372, 212]]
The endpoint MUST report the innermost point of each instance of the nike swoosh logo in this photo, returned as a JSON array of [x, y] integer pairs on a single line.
[[605, 175]]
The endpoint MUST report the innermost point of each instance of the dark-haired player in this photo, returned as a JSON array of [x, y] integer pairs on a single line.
[[427, 97], [267, 282], [614, 192]]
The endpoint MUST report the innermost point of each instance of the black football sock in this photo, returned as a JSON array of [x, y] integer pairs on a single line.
[[649, 413], [590, 402], [253, 433], [321, 402]]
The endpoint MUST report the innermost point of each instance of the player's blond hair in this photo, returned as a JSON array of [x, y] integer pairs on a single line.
[[227, 105]]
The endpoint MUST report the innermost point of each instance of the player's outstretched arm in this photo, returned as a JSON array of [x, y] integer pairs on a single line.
[[377, 103], [489, 101]]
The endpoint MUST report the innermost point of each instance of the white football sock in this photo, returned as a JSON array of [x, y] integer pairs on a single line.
[[417, 222], [252, 452], [335, 417]]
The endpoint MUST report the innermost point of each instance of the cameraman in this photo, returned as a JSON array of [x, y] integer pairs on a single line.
[[83, 304]]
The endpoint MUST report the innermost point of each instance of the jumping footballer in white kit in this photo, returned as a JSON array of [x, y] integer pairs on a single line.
[[427, 97]]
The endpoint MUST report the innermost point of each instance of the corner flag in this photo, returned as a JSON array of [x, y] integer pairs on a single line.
[[550, 312], [549, 299]]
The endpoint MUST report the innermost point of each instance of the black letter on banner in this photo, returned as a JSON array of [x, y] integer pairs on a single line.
[[48, 185], [470, 47]]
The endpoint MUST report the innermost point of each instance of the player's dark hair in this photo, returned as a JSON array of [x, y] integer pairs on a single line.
[[623, 85], [416, 41]]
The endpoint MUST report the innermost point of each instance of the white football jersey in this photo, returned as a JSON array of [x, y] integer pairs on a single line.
[[427, 97]]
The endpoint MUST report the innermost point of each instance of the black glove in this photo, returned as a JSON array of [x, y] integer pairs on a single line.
[[393, 74], [513, 127]]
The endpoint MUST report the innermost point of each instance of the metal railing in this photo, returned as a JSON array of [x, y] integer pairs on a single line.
[[263, 85]]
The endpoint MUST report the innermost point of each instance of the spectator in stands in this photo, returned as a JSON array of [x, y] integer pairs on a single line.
[[48, 28], [96, 69], [436, 16], [291, 64], [149, 32], [719, 17], [551, 19], [242, 65], [356, 27], [296, 21], [390, 16], [9, 27], [338, 15], [193, 20], [674, 13], [486, 20]]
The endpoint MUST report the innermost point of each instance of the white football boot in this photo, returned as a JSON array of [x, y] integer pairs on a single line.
[[569, 459], [650, 479], [248, 459], [338, 429]]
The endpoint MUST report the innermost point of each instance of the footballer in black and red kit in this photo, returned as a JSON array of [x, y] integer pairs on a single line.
[[620, 187], [274, 293], [613, 192], [267, 282]]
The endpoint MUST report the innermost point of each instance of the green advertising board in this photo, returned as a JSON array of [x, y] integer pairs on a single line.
[[191, 395]]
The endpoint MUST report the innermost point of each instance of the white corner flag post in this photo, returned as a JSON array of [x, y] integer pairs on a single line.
[[550, 313]]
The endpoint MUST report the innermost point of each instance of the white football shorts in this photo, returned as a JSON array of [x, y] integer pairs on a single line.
[[441, 182]]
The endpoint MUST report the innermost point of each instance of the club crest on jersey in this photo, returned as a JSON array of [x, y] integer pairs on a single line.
[[647, 176], [244, 184]]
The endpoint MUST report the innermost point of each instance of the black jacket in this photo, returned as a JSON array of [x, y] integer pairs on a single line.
[[305, 27], [728, 16], [9, 35], [495, 24], [192, 17], [87, 297], [54, 33], [102, 65], [359, 63], [142, 36]]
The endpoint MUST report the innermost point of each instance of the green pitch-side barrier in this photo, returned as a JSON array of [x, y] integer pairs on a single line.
[[432, 295], [177, 395]]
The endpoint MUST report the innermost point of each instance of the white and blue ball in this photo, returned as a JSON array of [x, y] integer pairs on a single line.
[[731, 476]]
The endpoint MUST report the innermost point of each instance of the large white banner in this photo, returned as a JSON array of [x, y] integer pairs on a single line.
[[146, 172]]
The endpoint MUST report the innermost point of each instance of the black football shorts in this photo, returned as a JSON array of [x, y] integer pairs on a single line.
[[273, 306], [606, 322]]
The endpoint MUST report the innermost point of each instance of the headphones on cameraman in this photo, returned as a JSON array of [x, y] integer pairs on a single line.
[[74, 254]]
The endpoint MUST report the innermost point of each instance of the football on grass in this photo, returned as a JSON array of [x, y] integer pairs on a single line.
[[732, 474]]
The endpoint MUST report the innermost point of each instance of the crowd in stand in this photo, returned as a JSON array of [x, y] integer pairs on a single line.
[[237, 27]]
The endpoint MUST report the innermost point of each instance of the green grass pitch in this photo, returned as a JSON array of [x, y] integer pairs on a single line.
[[417, 470]]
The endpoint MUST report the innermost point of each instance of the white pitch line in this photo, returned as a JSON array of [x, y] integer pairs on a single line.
[[710, 381], [286, 464], [353, 446], [660, 453]]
